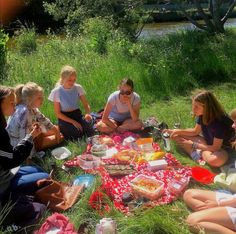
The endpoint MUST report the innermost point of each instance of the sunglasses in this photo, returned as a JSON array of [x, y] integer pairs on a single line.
[[122, 92]]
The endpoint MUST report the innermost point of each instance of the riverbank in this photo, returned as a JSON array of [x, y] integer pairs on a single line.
[[160, 29], [172, 12]]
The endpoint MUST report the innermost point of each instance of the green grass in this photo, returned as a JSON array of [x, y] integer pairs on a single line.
[[165, 71]]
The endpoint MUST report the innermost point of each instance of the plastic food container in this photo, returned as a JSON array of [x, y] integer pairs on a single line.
[[88, 161], [61, 153], [146, 186], [156, 165], [99, 150], [178, 184]]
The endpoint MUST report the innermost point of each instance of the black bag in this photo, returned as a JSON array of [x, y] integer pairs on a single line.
[[21, 211]]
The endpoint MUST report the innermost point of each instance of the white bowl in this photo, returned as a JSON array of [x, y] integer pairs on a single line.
[[61, 153]]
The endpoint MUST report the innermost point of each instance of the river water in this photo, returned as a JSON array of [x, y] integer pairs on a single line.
[[160, 29]]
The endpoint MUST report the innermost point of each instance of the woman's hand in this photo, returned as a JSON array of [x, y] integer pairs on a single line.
[[183, 141], [77, 125], [127, 99], [172, 132], [36, 130], [207, 204], [57, 134], [88, 117]]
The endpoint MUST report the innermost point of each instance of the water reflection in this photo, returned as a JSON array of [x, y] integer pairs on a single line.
[[160, 29]]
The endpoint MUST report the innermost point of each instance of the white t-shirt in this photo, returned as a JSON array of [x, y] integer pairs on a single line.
[[68, 98], [120, 111]]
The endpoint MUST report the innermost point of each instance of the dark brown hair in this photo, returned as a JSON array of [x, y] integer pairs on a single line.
[[4, 92], [233, 114], [212, 108], [127, 81]]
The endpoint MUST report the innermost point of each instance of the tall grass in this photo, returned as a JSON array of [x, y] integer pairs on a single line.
[[160, 68]]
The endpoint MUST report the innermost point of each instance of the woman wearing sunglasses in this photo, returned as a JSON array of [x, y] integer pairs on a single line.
[[121, 112]]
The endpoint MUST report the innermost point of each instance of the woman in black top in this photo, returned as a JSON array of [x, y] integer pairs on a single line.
[[24, 178], [211, 135]]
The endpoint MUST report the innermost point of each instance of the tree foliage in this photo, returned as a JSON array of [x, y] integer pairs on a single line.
[[127, 15], [214, 13], [3, 53]]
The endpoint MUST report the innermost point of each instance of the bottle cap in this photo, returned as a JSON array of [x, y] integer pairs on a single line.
[[166, 134]]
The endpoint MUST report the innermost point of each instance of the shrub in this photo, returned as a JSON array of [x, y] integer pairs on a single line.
[[98, 30], [26, 40], [3, 52]]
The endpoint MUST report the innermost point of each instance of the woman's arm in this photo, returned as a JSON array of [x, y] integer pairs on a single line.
[[11, 157], [231, 203], [134, 111], [85, 104], [185, 132], [105, 118], [60, 115], [86, 107]]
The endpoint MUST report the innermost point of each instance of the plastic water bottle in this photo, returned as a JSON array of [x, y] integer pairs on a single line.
[[177, 125], [166, 140]]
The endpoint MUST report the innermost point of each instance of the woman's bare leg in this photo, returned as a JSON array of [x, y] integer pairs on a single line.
[[195, 198], [129, 124], [188, 148], [215, 159], [213, 220], [104, 128]]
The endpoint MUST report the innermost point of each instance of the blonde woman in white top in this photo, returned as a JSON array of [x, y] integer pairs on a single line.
[[66, 97], [29, 99]]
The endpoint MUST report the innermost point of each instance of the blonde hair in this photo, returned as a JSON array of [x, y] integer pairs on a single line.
[[233, 114], [28, 92], [66, 72], [18, 92], [212, 108]]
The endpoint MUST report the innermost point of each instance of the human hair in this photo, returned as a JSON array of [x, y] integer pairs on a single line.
[[65, 73], [212, 109], [28, 92], [127, 81], [233, 114], [18, 92], [4, 93]]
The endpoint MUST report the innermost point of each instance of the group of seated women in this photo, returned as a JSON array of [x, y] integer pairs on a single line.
[[28, 131]]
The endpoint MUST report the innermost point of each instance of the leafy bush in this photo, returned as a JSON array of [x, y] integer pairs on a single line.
[[3, 52], [98, 31], [26, 40]]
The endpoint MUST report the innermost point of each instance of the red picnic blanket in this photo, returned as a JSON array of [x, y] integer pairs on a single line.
[[116, 187]]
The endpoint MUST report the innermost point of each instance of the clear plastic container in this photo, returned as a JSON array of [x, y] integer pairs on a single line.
[[106, 226], [99, 150], [88, 161], [178, 184], [146, 186]]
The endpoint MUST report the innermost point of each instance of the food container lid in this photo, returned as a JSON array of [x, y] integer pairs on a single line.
[[61, 153]]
